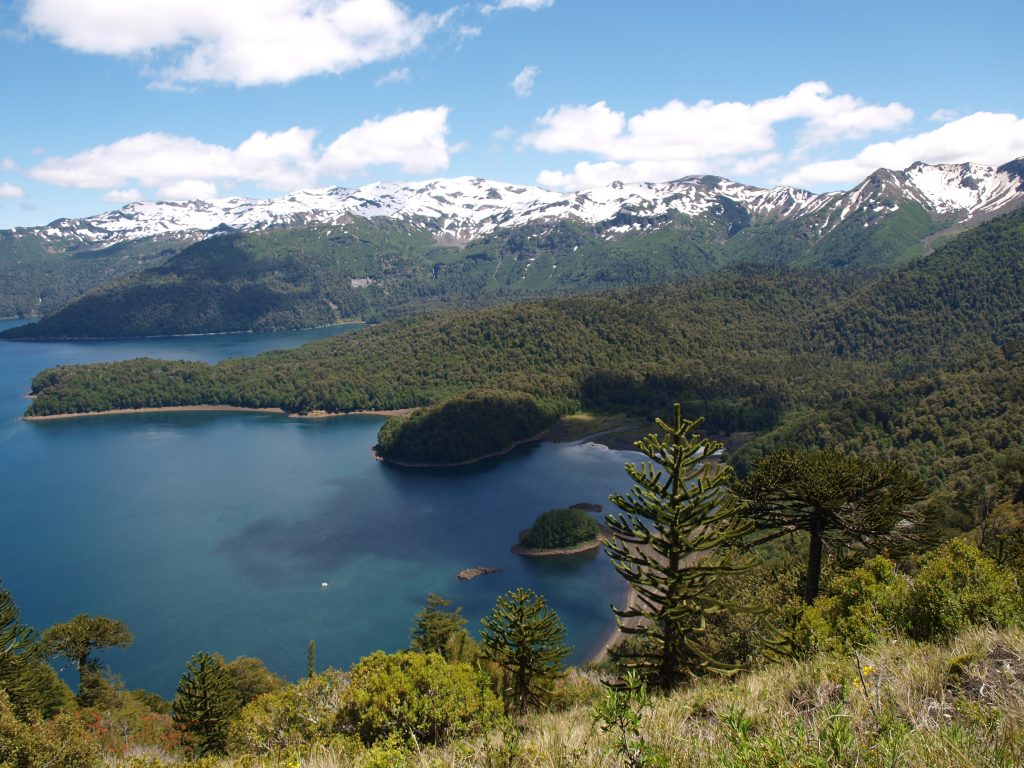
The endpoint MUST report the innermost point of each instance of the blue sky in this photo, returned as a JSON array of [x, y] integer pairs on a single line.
[[109, 101]]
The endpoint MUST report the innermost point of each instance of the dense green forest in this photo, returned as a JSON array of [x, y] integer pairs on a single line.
[[464, 428], [371, 269], [562, 528], [37, 275]]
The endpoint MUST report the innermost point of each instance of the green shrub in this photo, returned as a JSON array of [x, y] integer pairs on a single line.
[[560, 529], [958, 586], [862, 606], [290, 717], [60, 742], [415, 697]]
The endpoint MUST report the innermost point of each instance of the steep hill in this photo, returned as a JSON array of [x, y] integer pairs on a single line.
[[381, 250]]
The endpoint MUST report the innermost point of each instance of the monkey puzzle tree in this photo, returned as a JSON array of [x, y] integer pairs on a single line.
[[204, 704], [839, 500], [679, 512], [527, 640], [435, 625], [77, 640], [21, 660]]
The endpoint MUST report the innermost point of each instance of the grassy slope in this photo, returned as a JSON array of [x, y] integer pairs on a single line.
[[924, 706]]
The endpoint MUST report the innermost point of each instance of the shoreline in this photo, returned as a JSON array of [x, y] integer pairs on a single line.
[[615, 634], [587, 546], [539, 437], [35, 318], [200, 408]]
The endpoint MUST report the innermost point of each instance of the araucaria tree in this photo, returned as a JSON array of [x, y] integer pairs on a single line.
[[840, 500], [78, 639], [204, 704], [678, 514], [20, 656], [527, 640], [435, 626]]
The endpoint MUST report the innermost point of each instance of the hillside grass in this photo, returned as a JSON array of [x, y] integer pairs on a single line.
[[896, 704]]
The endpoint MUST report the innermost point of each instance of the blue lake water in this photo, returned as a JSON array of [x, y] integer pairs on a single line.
[[214, 530]]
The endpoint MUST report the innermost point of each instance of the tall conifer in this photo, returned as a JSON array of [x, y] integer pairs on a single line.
[[679, 512], [204, 704], [527, 640]]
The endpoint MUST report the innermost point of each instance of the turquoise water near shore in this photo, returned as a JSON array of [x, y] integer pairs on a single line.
[[214, 530]]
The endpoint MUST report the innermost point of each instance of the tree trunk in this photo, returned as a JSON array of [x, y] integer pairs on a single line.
[[813, 583]]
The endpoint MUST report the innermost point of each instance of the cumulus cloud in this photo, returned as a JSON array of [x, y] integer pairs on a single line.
[[984, 137], [400, 75], [944, 115], [522, 83], [706, 137], [181, 167], [530, 5], [414, 141], [122, 196], [272, 160], [244, 42], [189, 189], [10, 190], [6, 164]]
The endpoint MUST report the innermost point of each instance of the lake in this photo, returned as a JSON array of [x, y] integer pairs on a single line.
[[215, 530]]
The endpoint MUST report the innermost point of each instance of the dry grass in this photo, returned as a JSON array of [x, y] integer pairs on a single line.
[[919, 706]]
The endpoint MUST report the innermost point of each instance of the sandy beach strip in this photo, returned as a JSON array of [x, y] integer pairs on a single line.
[[240, 408]]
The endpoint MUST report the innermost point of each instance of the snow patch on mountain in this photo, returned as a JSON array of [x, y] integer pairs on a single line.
[[466, 207]]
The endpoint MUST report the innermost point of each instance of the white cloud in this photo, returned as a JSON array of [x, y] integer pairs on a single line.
[[522, 83], [466, 31], [183, 167], [530, 5], [272, 160], [944, 115], [189, 189], [6, 164], [505, 133], [10, 190], [244, 42], [123, 196], [414, 141], [678, 139], [984, 137], [400, 75]]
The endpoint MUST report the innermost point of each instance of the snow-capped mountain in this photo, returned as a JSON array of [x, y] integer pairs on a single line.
[[465, 208]]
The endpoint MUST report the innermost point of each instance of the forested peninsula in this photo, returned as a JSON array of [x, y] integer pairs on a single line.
[[847, 357]]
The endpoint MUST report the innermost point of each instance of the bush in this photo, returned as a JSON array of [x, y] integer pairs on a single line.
[[560, 529], [57, 743], [290, 717], [415, 696], [862, 606], [958, 586]]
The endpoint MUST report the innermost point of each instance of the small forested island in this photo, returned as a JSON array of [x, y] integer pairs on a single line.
[[465, 429], [564, 531]]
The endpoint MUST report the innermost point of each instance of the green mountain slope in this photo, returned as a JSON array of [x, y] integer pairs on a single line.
[[377, 268]]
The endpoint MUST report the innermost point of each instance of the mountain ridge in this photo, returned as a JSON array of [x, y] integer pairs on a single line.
[[463, 208]]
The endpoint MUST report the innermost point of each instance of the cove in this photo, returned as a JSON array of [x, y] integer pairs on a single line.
[[214, 530]]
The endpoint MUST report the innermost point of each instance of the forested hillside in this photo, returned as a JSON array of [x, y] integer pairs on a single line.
[[371, 269], [924, 360]]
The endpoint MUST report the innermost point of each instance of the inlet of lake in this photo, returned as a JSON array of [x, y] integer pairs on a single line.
[[214, 531]]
